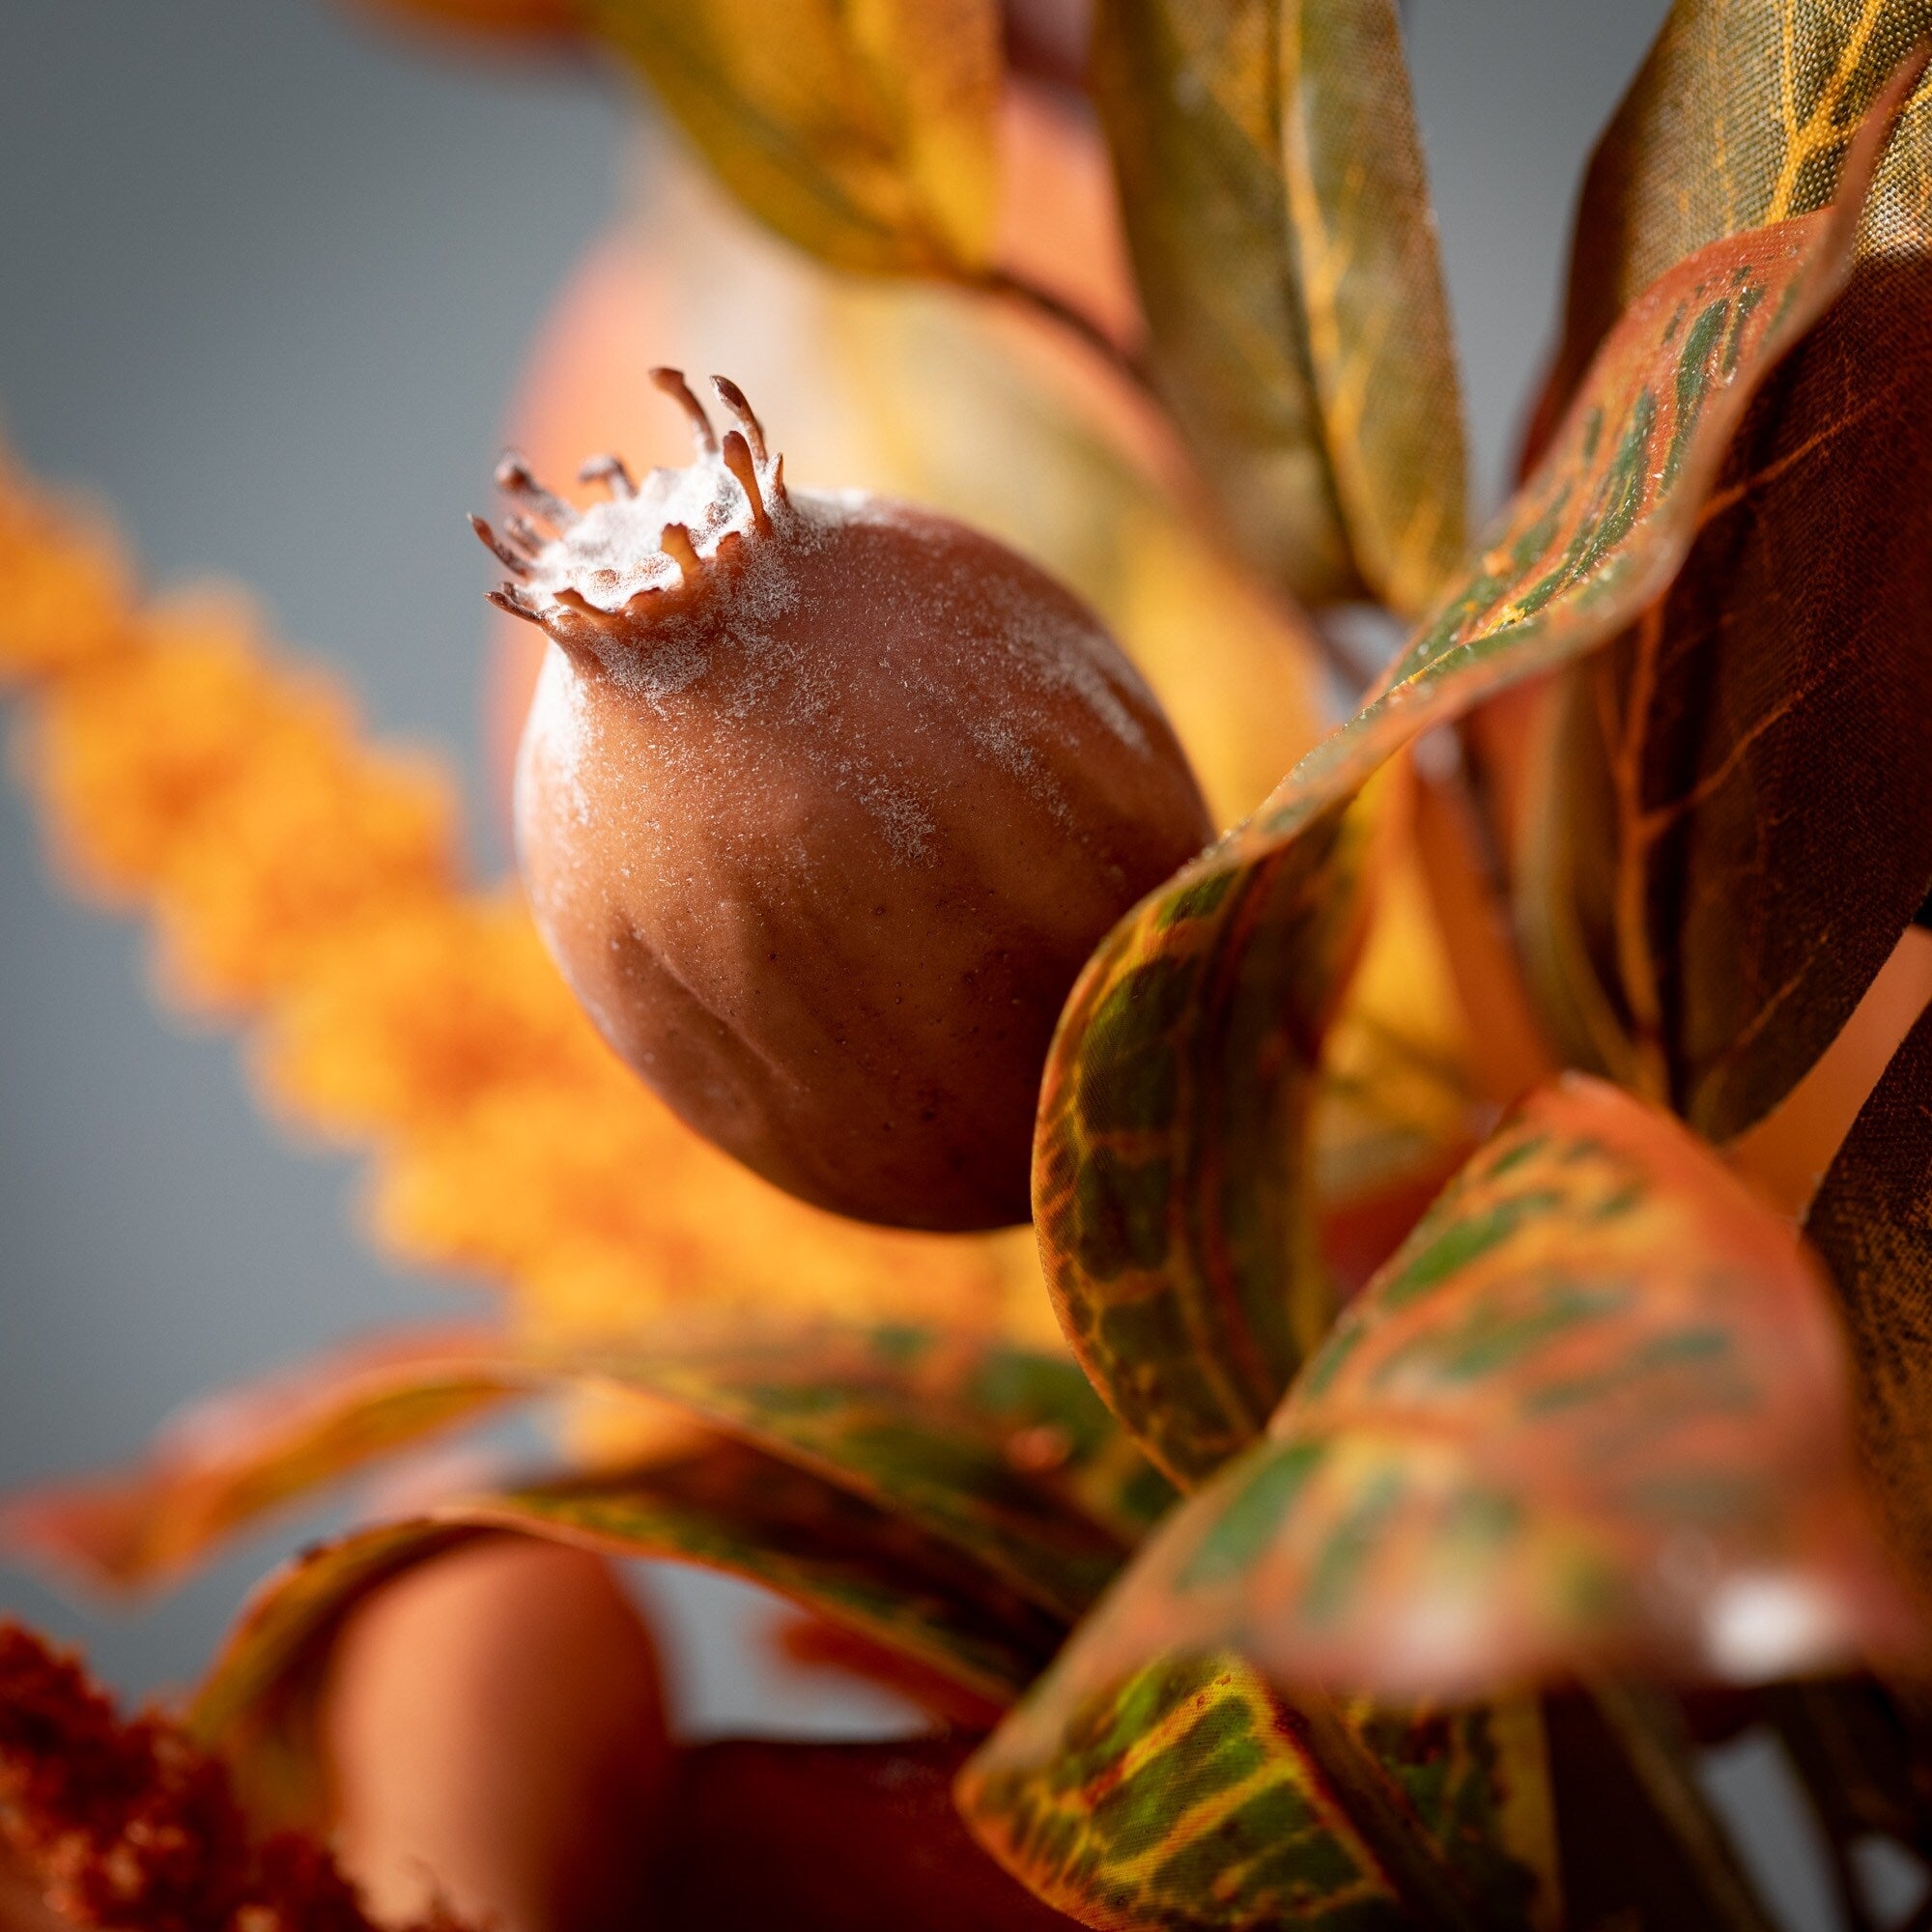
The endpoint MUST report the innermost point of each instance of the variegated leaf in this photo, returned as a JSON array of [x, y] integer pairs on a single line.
[[723, 1504], [1593, 1416], [865, 133], [1706, 884], [1185, 1796], [1169, 1162], [1003, 1451], [1278, 213]]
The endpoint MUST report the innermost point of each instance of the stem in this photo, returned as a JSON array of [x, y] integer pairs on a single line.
[[1182, 480], [1126, 363], [1423, 1883], [1652, 1740]]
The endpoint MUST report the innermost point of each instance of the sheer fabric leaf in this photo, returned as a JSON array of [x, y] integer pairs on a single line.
[[1708, 882], [1872, 1222]]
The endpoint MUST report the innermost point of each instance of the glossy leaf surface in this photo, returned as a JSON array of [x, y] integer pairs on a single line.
[[1594, 1416], [1710, 883], [1003, 1452], [865, 133], [1176, 1097], [1872, 1222], [724, 1505], [1278, 213], [1185, 1796]]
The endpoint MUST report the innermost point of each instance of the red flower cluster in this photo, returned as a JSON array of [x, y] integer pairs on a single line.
[[129, 1824]]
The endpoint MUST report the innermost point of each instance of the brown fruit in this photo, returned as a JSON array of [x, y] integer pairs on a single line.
[[494, 1731], [822, 803]]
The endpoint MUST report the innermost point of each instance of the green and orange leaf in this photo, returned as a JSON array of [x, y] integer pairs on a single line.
[[1170, 1160], [1002, 1452], [865, 134], [1278, 213], [1593, 1417], [1186, 1796], [1706, 884], [720, 1504]]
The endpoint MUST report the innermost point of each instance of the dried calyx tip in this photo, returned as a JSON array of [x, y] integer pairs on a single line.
[[521, 530], [677, 544], [671, 382], [514, 479], [738, 461], [510, 600], [609, 471], [512, 560], [734, 399]]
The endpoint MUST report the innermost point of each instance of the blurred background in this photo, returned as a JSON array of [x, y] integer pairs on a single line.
[[268, 277]]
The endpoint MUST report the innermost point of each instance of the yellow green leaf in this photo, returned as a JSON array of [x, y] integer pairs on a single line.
[[1278, 213], [1707, 883], [1187, 1797], [863, 131], [1169, 1180], [1593, 1417]]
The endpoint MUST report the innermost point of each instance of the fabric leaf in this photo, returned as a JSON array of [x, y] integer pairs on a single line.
[[1169, 1171], [1594, 1416], [1278, 215], [863, 131], [1188, 1797], [1872, 1222], [1003, 1452], [721, 1504], [1709, 883]]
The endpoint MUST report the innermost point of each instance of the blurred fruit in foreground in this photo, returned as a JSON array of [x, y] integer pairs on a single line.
[[497, 1737], [823, 803], [835, 1839]]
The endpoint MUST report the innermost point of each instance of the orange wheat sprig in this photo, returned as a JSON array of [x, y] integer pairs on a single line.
[[304, 883]]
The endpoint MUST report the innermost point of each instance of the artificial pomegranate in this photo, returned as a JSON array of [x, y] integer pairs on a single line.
[[822, 803]]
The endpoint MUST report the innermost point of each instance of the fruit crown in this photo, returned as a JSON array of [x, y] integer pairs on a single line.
[[652, 547]]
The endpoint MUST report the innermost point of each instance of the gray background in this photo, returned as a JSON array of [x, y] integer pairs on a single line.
[[266, 277]]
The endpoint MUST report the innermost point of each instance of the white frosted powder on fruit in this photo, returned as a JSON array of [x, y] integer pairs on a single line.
[[823, 802], [722, 642]]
